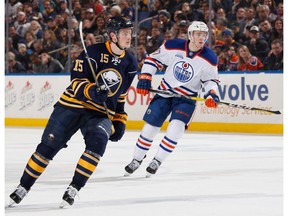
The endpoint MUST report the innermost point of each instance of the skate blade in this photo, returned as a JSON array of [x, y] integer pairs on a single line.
[[148, 175], [126, 174], [63, 204], [12, 202]]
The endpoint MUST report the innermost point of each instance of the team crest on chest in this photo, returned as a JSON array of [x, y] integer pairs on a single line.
[[111, 78], [183, 71]]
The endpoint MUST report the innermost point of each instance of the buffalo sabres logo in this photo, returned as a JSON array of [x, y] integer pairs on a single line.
[[111, 78], [183, 71], [116, 60]]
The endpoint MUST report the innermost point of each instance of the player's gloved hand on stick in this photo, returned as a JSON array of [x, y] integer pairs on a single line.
[[119, 123], [98, 94], [144, 83], [211, 101]]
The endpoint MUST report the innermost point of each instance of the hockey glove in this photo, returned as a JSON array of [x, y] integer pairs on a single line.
[[97, 94], [212, 101], [144, 83], [119, 122]]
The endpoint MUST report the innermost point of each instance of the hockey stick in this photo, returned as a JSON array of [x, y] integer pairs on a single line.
[[91, 66], [221, 102]]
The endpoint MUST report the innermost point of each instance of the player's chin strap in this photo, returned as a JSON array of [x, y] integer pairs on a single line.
[[220, 102]]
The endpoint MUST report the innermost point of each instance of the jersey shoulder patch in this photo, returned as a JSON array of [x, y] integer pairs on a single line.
[[176, 44], [209, 55]]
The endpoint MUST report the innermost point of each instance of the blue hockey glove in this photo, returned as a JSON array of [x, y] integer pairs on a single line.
[[119, 122], [98, 94], [144, 83], [211, 101]]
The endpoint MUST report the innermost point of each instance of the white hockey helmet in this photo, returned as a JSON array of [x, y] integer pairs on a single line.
[[198, 26]]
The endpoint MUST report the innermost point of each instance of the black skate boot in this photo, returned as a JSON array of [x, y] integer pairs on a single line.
[[131, 167], [18, 195], [69, 195], [153, 167]]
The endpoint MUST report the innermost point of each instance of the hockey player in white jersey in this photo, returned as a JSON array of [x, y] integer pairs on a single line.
[[191, 66]]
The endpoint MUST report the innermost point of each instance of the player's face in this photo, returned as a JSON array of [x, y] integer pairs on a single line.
[[199, 38], [124, 37]]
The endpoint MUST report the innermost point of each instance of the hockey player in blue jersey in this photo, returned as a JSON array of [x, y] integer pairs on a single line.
[[191, 66], [81, 106]]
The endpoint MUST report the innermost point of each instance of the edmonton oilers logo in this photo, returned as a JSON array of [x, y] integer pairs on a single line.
[[183, 71]]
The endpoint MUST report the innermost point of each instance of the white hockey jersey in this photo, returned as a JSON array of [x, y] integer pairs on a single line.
[[187, 72]]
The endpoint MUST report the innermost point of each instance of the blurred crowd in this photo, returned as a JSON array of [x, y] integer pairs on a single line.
[[246, 35]]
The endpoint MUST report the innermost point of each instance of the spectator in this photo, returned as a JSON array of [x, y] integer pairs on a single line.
[[36, 63], [224, 5], [49, 64], [75, 51], [208, 13], [127, 10], [227, 37], [13, 65], [21, 24], [90, 39], [10, 46], [29, 39], [28, 9], [165, 20], [14, 36], [275, 56], [178, 16], [98, 7], [141, 55], [266, 31], [101, 27], [50, 42], [277, 31], [220, 13], [272, 5], [168, 35], [191, 14], [48, 10], [263, 13], [36, 29], [233, 59], [249, 20], [155, 40], [257, 46], [240, 15], [51, 25], [23, 56], [238, 35], [248, 62], [156, 6], [115, 10], [221, 25], [280, 10], [38, 46], [77, 10]]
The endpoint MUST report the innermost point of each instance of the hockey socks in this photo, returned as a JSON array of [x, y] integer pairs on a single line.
[[165, 148], [34, 168], [142, 146], [85, 167]]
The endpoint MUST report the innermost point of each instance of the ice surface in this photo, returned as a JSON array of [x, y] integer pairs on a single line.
[[206, 175]]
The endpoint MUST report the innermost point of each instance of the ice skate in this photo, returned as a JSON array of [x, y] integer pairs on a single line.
[[17, 195], [153, 167], [131, 167], [69, 195]]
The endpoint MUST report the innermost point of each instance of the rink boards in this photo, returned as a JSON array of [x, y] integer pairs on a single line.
[[29, 101]]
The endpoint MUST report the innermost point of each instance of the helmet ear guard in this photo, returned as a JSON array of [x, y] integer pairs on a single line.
[[198, 26]]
